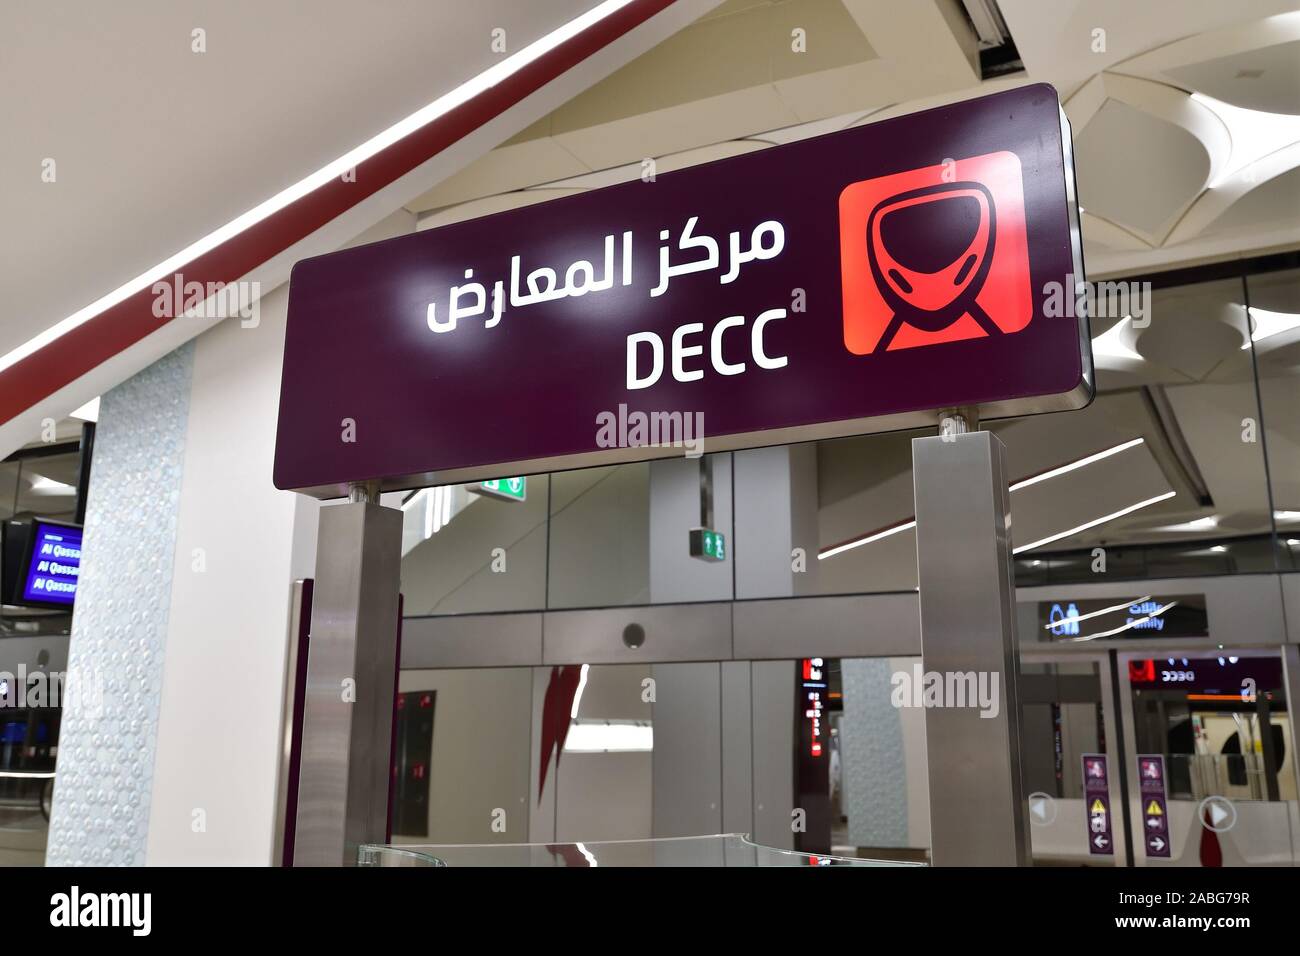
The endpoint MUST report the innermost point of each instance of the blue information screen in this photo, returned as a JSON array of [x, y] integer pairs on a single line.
[[55, 565]]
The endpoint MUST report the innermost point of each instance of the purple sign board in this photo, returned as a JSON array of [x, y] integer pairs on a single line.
[[1155, 804], [1096, 805], [845, 284]]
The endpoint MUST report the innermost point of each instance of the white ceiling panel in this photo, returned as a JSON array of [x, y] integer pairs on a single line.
[[156, 145], [1266, 79], [1136, 170]]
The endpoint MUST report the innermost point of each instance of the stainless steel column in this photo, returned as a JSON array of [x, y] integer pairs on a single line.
[[351, 659], [978, 812], [1291, 686]]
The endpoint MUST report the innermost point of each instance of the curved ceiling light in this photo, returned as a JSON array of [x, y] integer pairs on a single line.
[[1264, 324], [1195, 526], [1111, 344], [1253, 134]]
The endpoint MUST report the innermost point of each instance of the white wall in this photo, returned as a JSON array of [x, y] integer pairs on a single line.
[[239, 545]]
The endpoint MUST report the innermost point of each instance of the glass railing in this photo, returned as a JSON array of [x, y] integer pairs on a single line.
[[729, 849], [373, 854]]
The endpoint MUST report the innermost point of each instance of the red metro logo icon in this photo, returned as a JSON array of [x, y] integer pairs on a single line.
[[935, 255]]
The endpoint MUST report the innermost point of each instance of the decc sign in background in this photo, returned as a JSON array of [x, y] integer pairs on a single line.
[[845, 284]]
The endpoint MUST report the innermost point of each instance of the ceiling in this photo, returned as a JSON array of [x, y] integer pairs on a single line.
[[1185, 113], [1166, 177], [156, 145], [1183, 385], [1151, 158]]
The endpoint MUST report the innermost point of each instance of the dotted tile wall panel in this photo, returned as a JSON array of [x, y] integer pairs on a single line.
[[119, 623], [871, 753]]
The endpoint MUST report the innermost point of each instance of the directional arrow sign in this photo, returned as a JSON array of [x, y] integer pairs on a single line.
[[707, 544], [1096, 798], [1155, 803]]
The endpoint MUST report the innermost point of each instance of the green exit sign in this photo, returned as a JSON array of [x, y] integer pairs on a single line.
[[512, 489], [708, 545]]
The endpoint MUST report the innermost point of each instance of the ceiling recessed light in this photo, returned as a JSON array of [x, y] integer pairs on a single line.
[[1094, 522], [1075, 465], [1023, 483], [849, 545]]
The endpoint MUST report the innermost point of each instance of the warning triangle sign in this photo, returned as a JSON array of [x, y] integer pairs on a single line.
[[1098, 806], [1153, 810]]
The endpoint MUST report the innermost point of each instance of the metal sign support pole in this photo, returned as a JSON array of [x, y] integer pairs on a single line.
[[978, 812], [352, 655]]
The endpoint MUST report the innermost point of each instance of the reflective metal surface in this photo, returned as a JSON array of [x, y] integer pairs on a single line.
[[978, 810], [867, 625], [673, 632], [513, 639], [1291, 674], [286, 787], [729, 849], [352, 658], [859, 625]]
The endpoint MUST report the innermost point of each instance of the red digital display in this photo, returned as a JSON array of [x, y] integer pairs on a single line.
[[1142, 672], [814, 693]]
